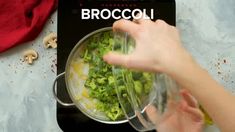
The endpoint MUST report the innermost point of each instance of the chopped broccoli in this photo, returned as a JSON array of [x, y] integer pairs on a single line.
[[138, 87], [101, 82]]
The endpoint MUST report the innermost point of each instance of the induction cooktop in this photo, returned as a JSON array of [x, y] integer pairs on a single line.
[[76, 18]]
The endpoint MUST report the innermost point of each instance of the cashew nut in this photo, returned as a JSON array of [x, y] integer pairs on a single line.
[[50, 41], [30, 56]]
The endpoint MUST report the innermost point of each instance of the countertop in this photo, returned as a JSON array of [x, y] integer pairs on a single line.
[[26, 99]]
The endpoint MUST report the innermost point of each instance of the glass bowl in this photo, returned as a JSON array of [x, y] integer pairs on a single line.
[[143, 96]]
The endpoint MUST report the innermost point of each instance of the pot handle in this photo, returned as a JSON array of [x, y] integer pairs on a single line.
[[55, 91]]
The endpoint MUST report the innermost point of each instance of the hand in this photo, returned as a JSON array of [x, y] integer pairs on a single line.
[[184, 116], [158, 47]]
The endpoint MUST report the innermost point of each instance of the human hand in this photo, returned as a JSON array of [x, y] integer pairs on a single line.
[[158, 47], [184, 116]]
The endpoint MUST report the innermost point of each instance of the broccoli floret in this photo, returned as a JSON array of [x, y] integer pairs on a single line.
[[87, 56], [115, 112], [138, 87], [111, 80], [100, 80]]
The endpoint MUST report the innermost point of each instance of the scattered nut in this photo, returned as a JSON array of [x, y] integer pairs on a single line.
[[50, 41], [30, 56]]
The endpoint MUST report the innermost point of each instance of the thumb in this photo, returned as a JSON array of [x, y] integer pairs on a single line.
[[115, 58]]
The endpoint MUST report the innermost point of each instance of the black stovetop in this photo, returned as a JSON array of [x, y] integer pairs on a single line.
[[71, 29]]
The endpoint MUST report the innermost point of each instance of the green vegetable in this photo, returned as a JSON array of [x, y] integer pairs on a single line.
[[101, 82], [138, 87]]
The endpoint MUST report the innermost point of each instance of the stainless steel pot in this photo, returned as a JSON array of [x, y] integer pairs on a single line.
[[75, 76]]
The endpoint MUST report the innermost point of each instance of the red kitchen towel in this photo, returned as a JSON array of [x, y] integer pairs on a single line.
[[22, 20]]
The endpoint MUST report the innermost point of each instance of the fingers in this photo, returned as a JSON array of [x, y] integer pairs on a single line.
[[139, 18], [189, 105], [129, 61], [152, 114], [116, 59], [190, 100], [161, 23], [158, 21], [125, 26], [194, 113]]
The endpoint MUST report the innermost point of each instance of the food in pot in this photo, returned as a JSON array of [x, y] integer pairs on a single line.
[[101, 83]]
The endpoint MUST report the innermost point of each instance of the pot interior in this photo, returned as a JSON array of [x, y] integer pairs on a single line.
[[76, 74]]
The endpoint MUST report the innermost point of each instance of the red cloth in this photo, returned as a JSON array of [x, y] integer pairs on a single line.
[[22, 20]]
